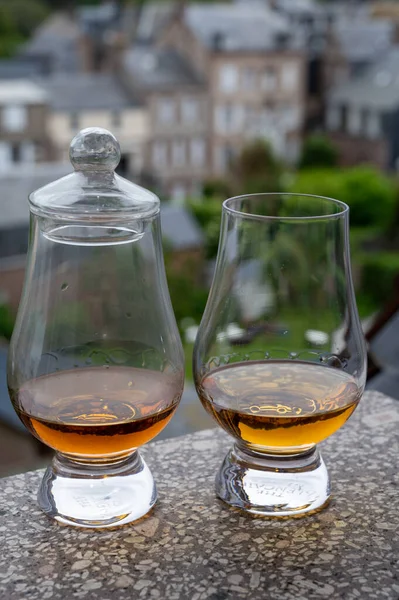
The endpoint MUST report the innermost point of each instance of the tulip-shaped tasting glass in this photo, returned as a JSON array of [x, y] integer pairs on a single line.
[[96, 365], [279, 359]]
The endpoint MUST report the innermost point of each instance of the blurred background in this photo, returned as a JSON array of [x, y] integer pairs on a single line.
[[208, 100]]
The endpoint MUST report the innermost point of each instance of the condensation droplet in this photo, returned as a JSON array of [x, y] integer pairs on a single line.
[[64, 286]]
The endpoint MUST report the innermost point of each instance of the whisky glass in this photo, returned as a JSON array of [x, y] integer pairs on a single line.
[[96, 364], [279, 360]]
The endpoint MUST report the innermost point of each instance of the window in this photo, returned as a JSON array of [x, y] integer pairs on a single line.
[[269, 80], [74, 121], [344, 118], [229, 118], [16, 153], [290, 116], [249, 79], [354, 121], [14, 118], [159, 155], [178, 154], [333, 118], [166, 111], [228, 78], [223, 157], [373, 127], [5, 156], [116, 119], [223, 118], [189, 110], [197, 152], [289, 77]]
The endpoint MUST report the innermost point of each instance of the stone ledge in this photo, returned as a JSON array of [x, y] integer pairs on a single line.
[[192, 547]]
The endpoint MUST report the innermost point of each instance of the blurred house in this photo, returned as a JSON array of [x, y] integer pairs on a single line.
[[55, 45], [363, 115], [176, 101], [185, 86], [24, 135], [94, 99], [254, 76]]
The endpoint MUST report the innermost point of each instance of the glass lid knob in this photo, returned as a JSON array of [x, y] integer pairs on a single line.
[[94, 149]]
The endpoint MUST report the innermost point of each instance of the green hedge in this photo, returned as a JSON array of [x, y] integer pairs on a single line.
[[6, 322], [370, 194], [378, 274]]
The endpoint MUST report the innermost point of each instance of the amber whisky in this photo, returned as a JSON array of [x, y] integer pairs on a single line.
[[279, 407], [98, 412]]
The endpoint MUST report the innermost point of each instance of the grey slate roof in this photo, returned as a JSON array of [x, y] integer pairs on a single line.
[[384, 348], [56, 42], [179, 228], [154, 16], [15, 68], [152, 68], [377, 87], [364, 40], [85, 91], [18, 183], [237, 27]]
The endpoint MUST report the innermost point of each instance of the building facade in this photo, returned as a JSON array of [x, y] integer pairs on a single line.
[[24, 135], [96, 100], [255, 80], [362, 116]]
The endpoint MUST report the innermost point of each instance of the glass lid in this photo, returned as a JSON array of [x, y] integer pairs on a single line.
[[94, 192]]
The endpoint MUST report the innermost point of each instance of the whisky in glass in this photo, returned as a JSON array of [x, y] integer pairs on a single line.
[[96, 367], [279, 359]]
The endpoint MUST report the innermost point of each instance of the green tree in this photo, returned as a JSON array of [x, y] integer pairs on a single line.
[[10, 38], [18, 18], [256, 170], [318, 151], [187, 296], [208, 214], [6, 322]]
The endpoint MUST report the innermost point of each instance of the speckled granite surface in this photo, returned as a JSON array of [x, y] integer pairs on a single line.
[[193, 547]]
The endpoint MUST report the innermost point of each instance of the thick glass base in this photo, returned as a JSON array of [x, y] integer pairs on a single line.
[[97, 495], [271, 485]]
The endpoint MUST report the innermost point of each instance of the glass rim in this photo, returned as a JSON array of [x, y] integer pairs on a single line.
[[344, 208]]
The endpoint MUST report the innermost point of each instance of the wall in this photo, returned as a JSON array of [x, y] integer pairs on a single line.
[[131, 133], [269, 104], [356, 150]]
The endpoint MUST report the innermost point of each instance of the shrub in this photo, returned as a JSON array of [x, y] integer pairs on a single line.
[[6, 322], [318, 151], [208, 214], [256, 170], [379, 273], [216, 188], [369, 194]]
